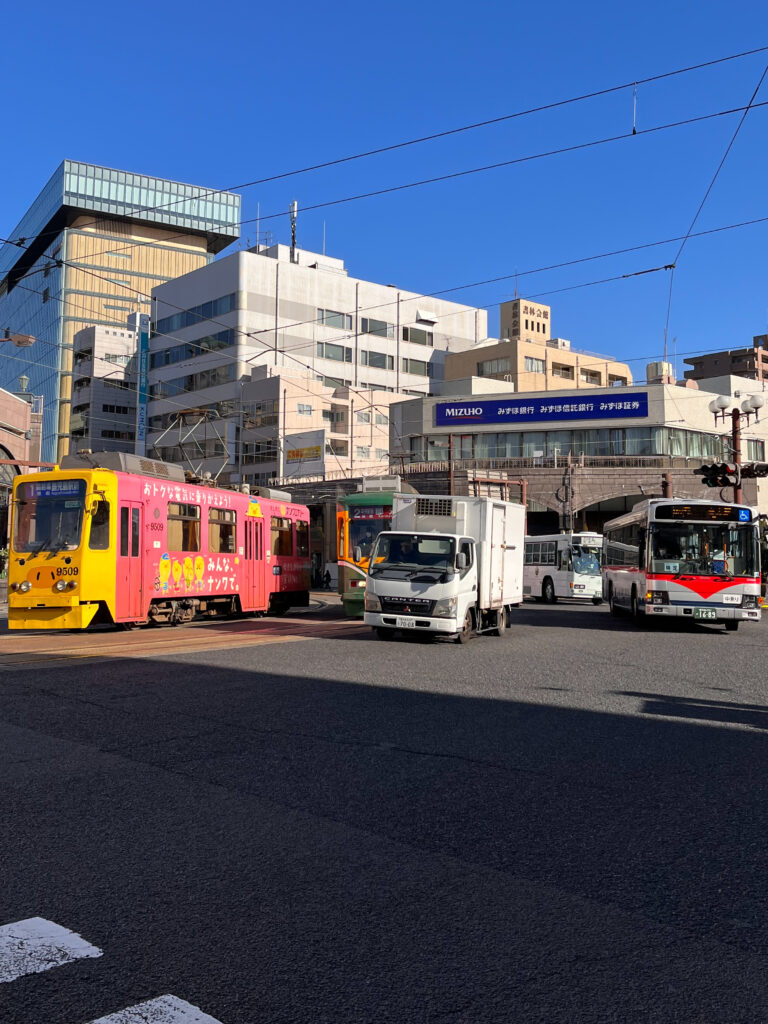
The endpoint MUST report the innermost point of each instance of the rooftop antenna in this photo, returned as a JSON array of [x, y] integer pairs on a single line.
[[323, 238], [293, 210], [516, 295], [258, 219]]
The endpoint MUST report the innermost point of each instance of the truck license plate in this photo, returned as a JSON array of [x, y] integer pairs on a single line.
[[704, 613], [405, 622]]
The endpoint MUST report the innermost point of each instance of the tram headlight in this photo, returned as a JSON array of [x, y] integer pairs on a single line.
[[25, 586], [60, 585], [372, 603]]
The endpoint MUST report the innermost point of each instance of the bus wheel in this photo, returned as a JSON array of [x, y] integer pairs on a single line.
[[612, 601], [635, 605], [731, 625], [548, 591], [384, 634]]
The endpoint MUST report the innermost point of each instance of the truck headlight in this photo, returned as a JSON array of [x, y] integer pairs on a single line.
[[372, 603], [445, 608]]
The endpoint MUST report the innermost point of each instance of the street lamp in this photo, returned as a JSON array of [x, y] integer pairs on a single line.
[[749, 407]]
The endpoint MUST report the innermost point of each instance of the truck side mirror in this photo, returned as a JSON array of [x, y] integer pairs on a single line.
[[357, 554], [461, 561]]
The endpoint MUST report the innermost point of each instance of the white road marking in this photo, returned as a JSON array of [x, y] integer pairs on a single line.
[[34, 945], [163, 1010]]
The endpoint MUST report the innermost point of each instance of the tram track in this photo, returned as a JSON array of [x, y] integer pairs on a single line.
[[30, 650]]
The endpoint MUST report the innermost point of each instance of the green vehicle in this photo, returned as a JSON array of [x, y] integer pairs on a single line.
[[360, 518]]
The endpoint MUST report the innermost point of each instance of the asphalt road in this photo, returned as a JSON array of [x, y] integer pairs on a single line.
[[567, 824]]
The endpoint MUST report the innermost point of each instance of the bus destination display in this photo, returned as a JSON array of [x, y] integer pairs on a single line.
[[704, 513]]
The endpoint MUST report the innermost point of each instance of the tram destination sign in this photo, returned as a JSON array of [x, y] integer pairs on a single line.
[[541, 410]]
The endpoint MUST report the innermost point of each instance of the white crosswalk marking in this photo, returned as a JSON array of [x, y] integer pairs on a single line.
[[34, 945], [163, 1010]]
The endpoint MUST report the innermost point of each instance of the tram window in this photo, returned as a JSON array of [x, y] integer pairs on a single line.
[[282, 536], [221, 531], [125, 514], [302, 539], [99, 538], [134, 532], [183, 527]]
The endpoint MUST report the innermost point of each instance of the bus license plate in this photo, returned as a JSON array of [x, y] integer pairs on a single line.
[[405, 622], [704, 613]]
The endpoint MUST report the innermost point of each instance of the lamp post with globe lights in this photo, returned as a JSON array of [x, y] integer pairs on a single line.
[[722, 407]]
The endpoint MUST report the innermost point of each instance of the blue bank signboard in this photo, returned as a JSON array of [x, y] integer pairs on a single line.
[[540, 410]]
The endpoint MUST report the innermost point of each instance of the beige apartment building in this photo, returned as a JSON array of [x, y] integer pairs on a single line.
[[530, 359], [742, 362]]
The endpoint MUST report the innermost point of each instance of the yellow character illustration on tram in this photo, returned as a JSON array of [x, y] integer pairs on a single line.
[[189, 573], [164, 572], [199, 571], [176, 572]]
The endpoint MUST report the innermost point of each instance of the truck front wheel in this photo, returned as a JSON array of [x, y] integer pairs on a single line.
[[465, 635]]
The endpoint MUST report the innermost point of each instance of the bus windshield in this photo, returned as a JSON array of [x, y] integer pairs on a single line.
[[704, 549], [586, 559], [48, 515], [413, 551]]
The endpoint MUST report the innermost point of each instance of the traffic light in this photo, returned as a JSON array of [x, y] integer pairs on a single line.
[[719, 474], [754, 469]]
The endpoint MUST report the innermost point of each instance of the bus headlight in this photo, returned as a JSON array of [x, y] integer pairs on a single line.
[[60, 585], [657, 597], [749, 601], [445, 609], [372, 603], [25, 586]]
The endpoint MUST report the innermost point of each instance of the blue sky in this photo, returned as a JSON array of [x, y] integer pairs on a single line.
[[223, 95]]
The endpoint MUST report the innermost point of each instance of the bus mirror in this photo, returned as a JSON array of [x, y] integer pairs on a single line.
[[357, 554], [461, 561]]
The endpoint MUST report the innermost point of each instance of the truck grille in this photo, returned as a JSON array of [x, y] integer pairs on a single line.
[[406, 605]]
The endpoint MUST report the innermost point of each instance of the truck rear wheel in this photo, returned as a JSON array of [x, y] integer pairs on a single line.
[[466, 630], [501, 622]]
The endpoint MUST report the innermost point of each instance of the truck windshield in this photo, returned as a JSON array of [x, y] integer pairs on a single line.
[[48, 515], [704, 549], [413, 551], [586, 560]]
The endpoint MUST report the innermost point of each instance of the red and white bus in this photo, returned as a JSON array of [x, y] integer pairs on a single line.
[[694, 558]]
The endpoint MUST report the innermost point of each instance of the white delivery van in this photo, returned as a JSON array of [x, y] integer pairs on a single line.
[[449, 565]]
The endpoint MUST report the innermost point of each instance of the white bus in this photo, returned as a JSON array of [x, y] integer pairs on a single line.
[[695, 558], [563, 565]]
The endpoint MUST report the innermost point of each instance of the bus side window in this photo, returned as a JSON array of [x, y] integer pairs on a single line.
[[99, 538]]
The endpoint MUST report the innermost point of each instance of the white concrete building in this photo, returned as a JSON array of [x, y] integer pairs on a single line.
[[295, 312], [104, 389]]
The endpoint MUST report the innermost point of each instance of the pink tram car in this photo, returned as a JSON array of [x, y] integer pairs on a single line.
[[109, 537]]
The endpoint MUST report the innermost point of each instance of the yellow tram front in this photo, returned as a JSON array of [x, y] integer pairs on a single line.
[[61, 561]]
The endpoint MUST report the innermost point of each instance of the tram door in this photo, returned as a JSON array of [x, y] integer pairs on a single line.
[[255, 567], [130, 595]]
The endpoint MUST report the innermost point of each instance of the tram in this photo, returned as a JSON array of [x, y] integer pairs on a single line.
[[360, 518], [115, 538]]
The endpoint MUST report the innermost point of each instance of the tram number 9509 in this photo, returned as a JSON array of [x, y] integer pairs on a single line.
[[67, 570]]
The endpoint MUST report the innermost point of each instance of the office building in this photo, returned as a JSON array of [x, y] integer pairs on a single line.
[[91, 248], [295, 312], [528, 357], [104, 389]]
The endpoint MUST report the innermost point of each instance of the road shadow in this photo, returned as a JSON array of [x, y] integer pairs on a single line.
[[567, 616], [701, 709], [333, 849]]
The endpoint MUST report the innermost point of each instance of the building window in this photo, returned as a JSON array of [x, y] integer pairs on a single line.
[[304, 409], [362, 452], [335, 382], [183, 532], [378, 327], [363, 417], [382, 453], [381, 419], [377, 359], [418, 336], [535, 365], [190, 349], [188, 317], [416, 366], [590, 377], [563, 371], [332, 318], [617, 382], [222, 525], [337, 352], [491, 366]]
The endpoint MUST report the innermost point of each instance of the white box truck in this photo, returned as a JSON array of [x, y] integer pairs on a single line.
[[449, 565]]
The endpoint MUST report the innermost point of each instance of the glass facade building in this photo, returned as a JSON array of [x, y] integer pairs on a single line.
[[88, 251]]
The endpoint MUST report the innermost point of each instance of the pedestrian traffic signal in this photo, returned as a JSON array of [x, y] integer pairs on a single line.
[[719, 474]]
